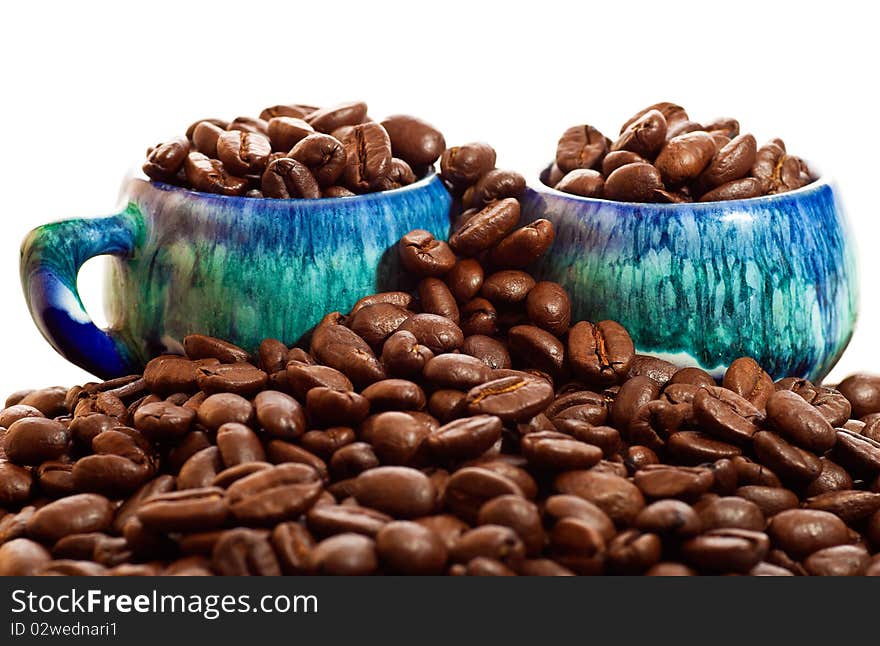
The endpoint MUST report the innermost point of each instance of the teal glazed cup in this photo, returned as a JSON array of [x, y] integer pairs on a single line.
[[701, 284], [243, 269]]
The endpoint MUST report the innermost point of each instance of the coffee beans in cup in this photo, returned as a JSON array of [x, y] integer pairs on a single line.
[[661, 155], [298, 151], [468, 426]]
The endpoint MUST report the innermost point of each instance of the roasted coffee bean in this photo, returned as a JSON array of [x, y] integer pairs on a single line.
[[325, 443], [580, 147], [77, 514], [726, 415], [32, 440], [793, 417], [739, 189], [302, 378], [399, 491], [323, 155], [403, 355], [633, 394], [770, 500], [577, 545], [850, 506], [238, 444], [746, 378], [507, 287], [801, 532], [832, 478], [856, 452], [269, 496], [248, 124], [437, 333], [465, 279], [537, 348], [616, 496], [287, 178], [243, 153], [491, 352], [285, 132], [656, 369], [863, 393], [644, 136], [436, 298], [672, 518], [693, 448], [352, 459], [344, 114], [423, 255], [558, 451], [204, 135], [16, 483], [841, 560], [663, 481], [397, 438], [637, 182], [513, 399], [369, 157], [413, 140], [209, 175], [409, 548], [549, 307], [189, 510], [726, 550], [494, 186], [220, 408], [401, 299], [165, 160], [345, 555], [732, 162], [394, 394], [22, 557], [462, 166], [292, 544], [486, 228], [790, 462], [600, 353], [752, 473], [328, 407], [340, 348], [163, 421], [685, 157], [470, 488], [296, 111], [459, 371], [524, 245], [171, 374], [731, 511], [327, 520], [633, 552], [582, 181], [584, 405], [479, 316], [279, 414]]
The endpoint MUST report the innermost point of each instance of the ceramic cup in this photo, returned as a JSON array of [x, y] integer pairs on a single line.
[[701, 284], [242, 269]]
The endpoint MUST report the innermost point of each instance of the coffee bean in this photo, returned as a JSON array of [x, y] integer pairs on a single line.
[[77, 514], [637, 182], [512, 399], [163, 421], [856, 452], [209, 175], [582, 181], [408, 548], [243, 153], [340, 348], [616, 496], [732, 162], [600, 353], [726, 415], [436, 298], [413, 140], [15, 484], [726, 550], [733, 512], [487, 227], [672, 518], [32, 440], [841, 560], [578, 546], [549, 307], [462, 166], [205, 135], [489, 351], [791, 416], [188, 510], [537, 348], [399, 491], [345, 114], [790, 462], [770, 500], [523, 246], [558, 451], [369, 156], [496, 185], [580, 147], [691, 447], [287, 178], [22, 557], [739, 189], [863, 393], [644, 136], [165, 160], [801, 532], [421, 254], [437, 333], [746, 378], [685, 157], [633, 552]]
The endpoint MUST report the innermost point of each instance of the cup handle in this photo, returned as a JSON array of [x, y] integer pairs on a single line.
[[51, 257]]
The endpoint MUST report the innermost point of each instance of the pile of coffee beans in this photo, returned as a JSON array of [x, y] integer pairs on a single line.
[[298, 151], [465, 427], [661, 155]]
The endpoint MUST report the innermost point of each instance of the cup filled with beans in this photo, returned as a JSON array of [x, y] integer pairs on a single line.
[[676, 227], [471, 425], [246, 229]]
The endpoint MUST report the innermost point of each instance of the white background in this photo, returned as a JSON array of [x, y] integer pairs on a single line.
[[86, 87]]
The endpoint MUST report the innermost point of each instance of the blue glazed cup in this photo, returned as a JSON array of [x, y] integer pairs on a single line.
[[701, 284], [238, 268]]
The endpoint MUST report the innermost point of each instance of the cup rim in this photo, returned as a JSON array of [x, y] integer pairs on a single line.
[[817, 184], [429, 178]]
